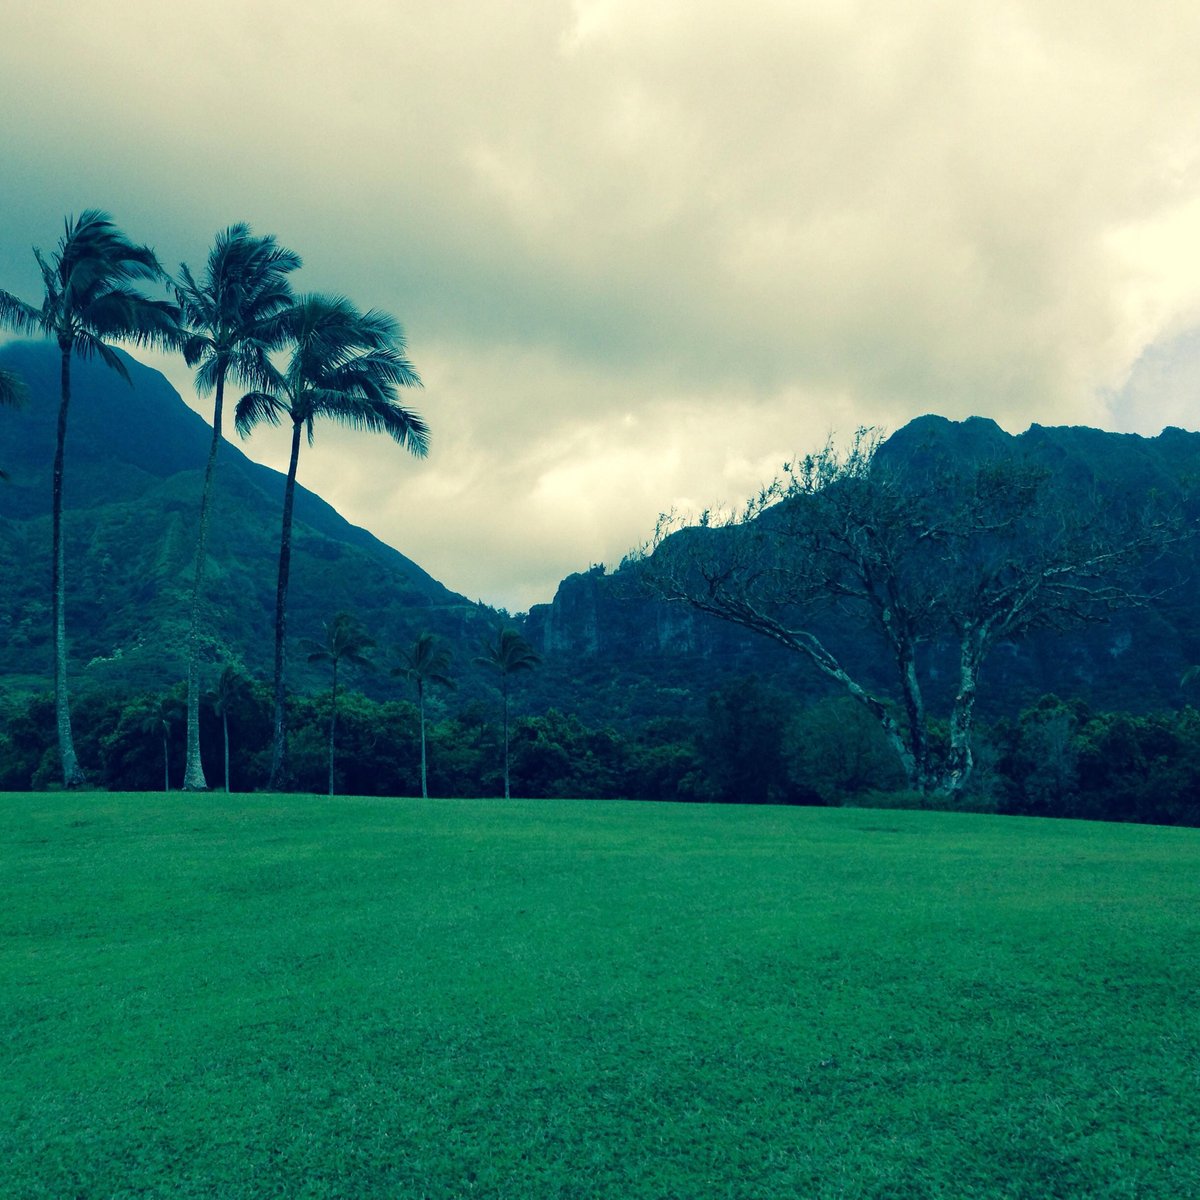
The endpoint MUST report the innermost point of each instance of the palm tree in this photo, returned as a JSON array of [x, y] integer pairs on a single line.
[[344, 365], [508, 654], [157, 720], [424, 663], [233, 688], [231, 323], [90, 300], [345, 641], [12, 394]]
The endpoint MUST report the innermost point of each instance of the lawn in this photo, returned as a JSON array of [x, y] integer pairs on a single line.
[[291, 996]]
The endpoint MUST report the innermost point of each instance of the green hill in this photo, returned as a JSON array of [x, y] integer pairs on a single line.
[[135, 460]]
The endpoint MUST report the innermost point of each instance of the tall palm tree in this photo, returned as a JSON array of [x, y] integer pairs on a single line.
[[424, 663], [12, 395], [231, 323], [344, 365], [91, 299], [345, 641], [508, 654], [233, 688]]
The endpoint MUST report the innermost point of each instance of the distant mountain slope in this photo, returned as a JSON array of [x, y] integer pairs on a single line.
[[1133, 661], [135, 458], [134, 465]]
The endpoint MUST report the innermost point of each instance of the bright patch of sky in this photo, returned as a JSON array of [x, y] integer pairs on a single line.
[[644, 253]]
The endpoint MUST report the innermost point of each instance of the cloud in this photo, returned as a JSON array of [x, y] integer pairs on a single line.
[[643, 252]]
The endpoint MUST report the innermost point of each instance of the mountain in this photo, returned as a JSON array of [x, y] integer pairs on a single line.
[[1134, 660], [135, 459], [613, 653]]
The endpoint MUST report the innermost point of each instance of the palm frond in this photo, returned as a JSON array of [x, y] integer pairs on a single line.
[[345, 365], [425, 661], [50, 280], [256, 407], [402, 425], [238, 303], [250, 364], [346, 639], [232, 688], [197, 350], [13, 391], [509, 653], [18, 316], [88, 345], [124, 313], [376, 371], [208, 371], [94, 251]]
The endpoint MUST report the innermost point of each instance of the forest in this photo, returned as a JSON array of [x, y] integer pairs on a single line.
[[891, 623]]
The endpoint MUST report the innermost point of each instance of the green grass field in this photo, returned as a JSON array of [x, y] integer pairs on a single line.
[[292, 996]]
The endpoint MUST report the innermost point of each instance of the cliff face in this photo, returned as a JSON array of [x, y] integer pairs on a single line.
[[1133, 660], [596, 615]]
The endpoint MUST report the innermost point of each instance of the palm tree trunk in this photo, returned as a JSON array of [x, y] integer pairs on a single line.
[[421, 707], [193, 771], [72, 775], [279, 746], [332, 723], [506, 793], [225, 728], [166, 764]]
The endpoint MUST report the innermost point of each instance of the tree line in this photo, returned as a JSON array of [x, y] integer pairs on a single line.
[[751, 743]]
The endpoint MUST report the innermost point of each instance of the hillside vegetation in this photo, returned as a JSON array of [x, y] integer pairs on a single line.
[[270, 995], [136, 456]]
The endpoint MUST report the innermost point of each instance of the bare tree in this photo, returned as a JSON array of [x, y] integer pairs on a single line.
[[929, 550]]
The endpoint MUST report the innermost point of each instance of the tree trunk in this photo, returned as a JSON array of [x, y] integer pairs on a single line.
[[279, 743], [421, 708], [917, 765], [899, 636], [811, 647], [961, 759], [225, 729], [193, 771], [506, 791], [166, 763], [72, 775], [332, 723]]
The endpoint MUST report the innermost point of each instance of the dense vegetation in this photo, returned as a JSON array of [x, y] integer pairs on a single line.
[[273, 995], [749, 744]]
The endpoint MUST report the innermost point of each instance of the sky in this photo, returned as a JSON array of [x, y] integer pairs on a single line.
[[645, 253]]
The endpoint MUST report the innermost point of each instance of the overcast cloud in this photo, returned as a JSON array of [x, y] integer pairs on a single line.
[[644, 253]]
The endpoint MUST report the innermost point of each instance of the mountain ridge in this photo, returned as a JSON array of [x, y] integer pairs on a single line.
[[135, 457], [1135, 659]]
